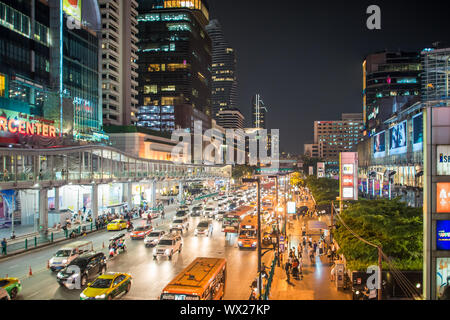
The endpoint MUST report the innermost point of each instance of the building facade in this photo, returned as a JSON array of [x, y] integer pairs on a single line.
[[390, 79], [311, 150], [119, 58], [231, 119], [333, 137], [436, 76], [174, 59], [224, 81]]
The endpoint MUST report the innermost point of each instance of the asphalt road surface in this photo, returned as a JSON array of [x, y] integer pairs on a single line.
[[149, 276]]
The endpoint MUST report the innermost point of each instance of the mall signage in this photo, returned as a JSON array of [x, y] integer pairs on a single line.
[[443, 160], [27, 127], [348, 177], [443, 197]]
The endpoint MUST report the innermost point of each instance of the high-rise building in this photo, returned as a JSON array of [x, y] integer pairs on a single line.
[[224, 81], [391, 79], [259, 111], [436, 77], [174, 62], [119, 53], [230, 119], [333, 137], [50, 71]]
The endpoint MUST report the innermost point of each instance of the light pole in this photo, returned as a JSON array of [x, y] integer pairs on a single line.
[[257, 181], [276, 213]]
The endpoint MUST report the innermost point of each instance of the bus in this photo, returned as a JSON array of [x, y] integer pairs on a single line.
[[203, 279], [231, 220], [248, 232]]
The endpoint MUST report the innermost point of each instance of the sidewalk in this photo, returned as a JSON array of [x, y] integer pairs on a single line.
[[316, 284]]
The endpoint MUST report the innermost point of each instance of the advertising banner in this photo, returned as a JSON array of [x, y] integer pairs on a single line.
[[418, 132], [443, 197], [443, 235], [311, 171], [379, 145], [320, 169], [72, 8], [397, 138], [291, 207], [443, 160], [348, 177]]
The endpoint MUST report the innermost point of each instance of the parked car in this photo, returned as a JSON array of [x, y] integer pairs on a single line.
[[84, 268], [167, 246], [153, 238]]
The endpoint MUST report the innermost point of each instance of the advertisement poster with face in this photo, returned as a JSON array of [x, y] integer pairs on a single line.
[[398, 138], [379, 145]]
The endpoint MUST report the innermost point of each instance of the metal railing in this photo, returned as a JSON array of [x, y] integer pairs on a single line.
[[266, 293]]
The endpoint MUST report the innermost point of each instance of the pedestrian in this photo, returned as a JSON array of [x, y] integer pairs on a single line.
[[315, 246], [4, 244], [163, 214], [287, 268], [299, 250], [304, 242], [311, 254]]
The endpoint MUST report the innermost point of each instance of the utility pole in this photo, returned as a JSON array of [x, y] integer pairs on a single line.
[[380, 278], [332, 221]]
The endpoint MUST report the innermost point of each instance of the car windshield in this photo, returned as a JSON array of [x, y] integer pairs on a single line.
[[63, 253], [154, 234], [140, 228], [178, 221], [79, 262], [209, 209], [247, 233], [221, 212], [196, 208], [165, 243], [181, 213], [202, 224], [101, 284]]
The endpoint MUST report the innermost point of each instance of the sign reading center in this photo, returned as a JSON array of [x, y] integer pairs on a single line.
[[27, 128]]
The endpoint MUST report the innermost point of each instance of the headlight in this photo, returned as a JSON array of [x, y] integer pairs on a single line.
[[254, 243], [103, 296], [82, 295], [240, 243], [51, 261], [64, 261], [167, 251], [154, 250], [357, 292], [59, 275]]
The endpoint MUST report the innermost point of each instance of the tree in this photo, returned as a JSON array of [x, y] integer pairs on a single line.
[[241, 171], [389, 223]]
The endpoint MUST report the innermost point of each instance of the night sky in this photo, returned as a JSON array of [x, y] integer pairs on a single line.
[[305, 57]]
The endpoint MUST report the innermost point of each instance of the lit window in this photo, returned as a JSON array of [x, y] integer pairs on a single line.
[[2, 85], [151, 89]]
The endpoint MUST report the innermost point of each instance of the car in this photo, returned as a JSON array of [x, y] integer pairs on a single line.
[[107, 286], [209, 212], [13, 286], [152, 239], [84, 268], [203, 228], [188, 202], [183, 208], [220, 214], [196, 211], [116, 225], [140, 232], [181, 214], [180, 224], [232, 206], [167, 246]]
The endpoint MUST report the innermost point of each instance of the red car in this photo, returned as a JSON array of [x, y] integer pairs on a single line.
[[140, 232]]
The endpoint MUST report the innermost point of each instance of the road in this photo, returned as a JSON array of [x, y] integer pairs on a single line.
[[150, 276]]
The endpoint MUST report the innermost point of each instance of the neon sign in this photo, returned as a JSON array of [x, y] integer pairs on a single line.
[[27, 128]]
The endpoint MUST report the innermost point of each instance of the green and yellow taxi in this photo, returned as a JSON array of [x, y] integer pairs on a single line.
[[117, 225], [107, 286], [12, 286]]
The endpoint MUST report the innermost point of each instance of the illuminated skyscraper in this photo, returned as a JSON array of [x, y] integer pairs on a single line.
[[259, 111], [224, 82]]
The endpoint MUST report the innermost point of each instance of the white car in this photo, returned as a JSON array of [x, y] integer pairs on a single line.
[[203, 228], [180, 224], [167, 246], [209, 212], [153, 238]]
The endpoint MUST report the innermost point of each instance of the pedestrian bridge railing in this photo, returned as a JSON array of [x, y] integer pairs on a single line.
[[25, 168]]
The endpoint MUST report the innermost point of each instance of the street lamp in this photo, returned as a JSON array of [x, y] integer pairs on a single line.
[[258, 183]]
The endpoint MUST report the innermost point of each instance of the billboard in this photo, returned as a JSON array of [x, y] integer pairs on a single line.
[[418, 132], [348, 177], [443, 160], [379, 145], [291, 207], [443, 197], [443, 235], [320, 169], [397, 138], [311, 171], [72, 8]]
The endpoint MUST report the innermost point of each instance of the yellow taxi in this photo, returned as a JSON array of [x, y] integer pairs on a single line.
[[107, 286], [117, 225]]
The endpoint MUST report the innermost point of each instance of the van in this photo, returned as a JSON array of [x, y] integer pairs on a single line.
[[68, 253]]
